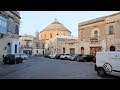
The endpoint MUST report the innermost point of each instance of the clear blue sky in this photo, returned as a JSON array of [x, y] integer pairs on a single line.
[[32, 21]]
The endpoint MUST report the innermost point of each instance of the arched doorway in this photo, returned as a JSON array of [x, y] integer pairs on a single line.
[[43, 52], [8, 48], [82, 50], [112, 48]]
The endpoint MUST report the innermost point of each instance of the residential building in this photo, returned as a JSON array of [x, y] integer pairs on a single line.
[[100, 34], [9, 32], [64, 45], [31, 45]]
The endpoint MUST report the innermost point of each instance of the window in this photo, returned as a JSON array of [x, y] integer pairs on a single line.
[[27, 44], [37, 45], [15, 48], [96, 34], [3, 25], [37, 51], [50, 35], [63, 50], [17, 30], [82, 50], [43, 46], [81, 35], [110, 30]]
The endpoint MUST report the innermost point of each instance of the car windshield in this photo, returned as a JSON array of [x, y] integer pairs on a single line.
[[73, 55], [17, 55], [84, 56]]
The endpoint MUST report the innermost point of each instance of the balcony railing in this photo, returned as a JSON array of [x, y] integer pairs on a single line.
[[27, 46], [94, 39]]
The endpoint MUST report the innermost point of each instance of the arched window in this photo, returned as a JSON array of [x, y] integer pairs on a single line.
[[9, 48], [15, 48], [63, 50], [95, 33], [110, 30], [17, 29], [82, 50]]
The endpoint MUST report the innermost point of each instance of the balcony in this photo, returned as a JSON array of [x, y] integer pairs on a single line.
[[94, 39], [27, 46]]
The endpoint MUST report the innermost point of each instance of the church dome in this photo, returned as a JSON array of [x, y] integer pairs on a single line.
[[52, 30], [56, 26]]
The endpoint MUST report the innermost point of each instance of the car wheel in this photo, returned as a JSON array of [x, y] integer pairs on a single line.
[[5, 63], [101, 72], [75, 59], [78, 60], [21, 61], [84, 60], [17, 62], [13, 62], [65, 58]]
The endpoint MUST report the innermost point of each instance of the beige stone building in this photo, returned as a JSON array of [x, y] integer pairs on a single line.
[[64, 45], [51, 34], [31, 45], [9, 32], [100, 34]]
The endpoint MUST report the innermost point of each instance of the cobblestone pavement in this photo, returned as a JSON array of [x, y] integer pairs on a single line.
[[45, 68]]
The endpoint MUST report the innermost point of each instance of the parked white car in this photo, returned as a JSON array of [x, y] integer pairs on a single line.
[[65, 56], [108, 63], [24, 56], [52, 56]]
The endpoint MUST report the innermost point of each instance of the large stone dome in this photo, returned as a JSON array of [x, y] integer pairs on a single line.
[[53, 29], [56, 26]]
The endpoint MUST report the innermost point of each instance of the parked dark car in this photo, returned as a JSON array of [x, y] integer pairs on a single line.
[[86, 58], [75, 56], [57, 56], [12, 59], [46, 56]]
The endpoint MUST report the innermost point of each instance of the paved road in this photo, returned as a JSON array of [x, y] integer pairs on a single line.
[[45, 68]]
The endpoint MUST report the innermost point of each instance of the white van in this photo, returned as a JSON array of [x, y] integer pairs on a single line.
[[108, 63]]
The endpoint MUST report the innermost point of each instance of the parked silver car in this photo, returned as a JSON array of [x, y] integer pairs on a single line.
[[24, 56], [65, 56]]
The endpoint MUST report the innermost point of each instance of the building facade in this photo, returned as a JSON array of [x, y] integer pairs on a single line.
[[49, 33], [9, 32], [31, 45], [100, 34], [64, 45]]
